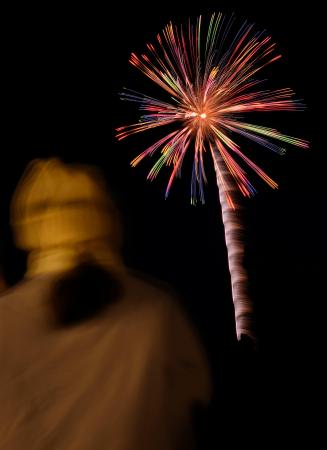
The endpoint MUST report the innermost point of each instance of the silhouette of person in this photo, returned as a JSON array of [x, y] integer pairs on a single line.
[[3, 284], [92, 356]]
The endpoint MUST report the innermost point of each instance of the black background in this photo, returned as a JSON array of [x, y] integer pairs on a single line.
[[63, 68]]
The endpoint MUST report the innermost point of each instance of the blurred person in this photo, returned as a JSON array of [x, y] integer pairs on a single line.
[[3, 281], [3, 284], [92, 356]]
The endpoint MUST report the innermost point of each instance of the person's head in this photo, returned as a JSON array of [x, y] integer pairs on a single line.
[[64, 208], [63, 216]]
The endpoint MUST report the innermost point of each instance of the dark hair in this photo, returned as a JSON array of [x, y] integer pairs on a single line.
[[82, 294]]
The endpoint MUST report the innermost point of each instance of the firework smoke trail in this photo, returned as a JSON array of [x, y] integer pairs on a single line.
[[209, 83], [234, 234]]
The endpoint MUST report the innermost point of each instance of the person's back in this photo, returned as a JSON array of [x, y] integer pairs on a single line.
[[124, 378]]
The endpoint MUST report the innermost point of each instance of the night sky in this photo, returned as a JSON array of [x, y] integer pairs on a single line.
[[63, 69]]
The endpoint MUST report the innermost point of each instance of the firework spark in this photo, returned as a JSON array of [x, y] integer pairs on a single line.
[[209, 78], [210, 84]]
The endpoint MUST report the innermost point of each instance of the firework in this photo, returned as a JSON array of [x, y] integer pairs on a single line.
[[208, 76]]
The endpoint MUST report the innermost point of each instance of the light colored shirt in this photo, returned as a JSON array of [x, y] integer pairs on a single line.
[[125, 380]]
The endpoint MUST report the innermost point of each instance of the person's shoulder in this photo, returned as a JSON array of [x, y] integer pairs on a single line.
[[7, 296], [149, 282], [151, 293], [22, 294]]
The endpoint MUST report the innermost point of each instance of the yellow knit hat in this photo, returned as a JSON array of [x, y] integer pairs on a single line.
[[59, 205]]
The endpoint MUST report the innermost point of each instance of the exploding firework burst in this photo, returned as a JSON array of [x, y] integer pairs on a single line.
[[209, 78]]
